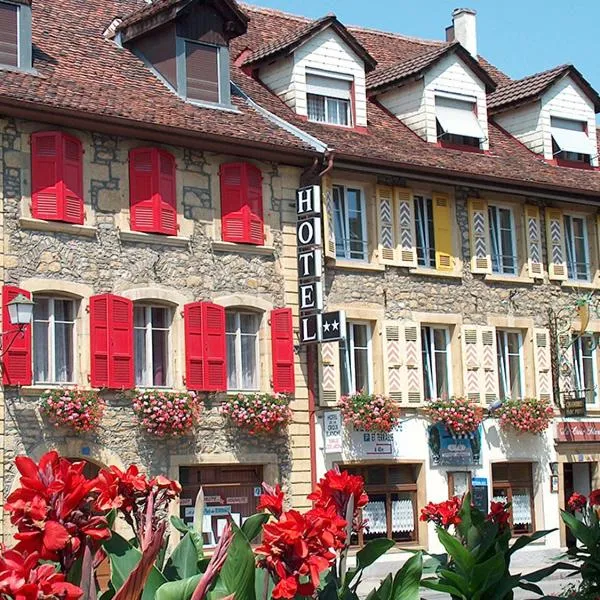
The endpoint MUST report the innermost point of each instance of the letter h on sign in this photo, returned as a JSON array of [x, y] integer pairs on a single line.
[[308, 201]]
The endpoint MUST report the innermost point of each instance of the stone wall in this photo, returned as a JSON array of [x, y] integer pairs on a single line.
[[102, 257]]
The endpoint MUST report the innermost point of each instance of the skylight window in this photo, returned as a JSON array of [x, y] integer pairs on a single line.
[[570, 140], [328, 100], [457, 122]]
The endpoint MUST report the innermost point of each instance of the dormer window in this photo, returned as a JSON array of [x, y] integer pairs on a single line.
[[457, 122], [15, 35], [202, 72], [570, 140], [329, 100]]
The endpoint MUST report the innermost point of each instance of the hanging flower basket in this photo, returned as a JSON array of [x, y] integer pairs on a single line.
[[258, 413], [80, 410], [369, 412], [461, 416], [529, 415], [166, 414]]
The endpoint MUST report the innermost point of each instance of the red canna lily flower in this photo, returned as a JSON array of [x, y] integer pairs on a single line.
[[577, 502], [499, 514], [594, 498], [271, 500], [443, 514]]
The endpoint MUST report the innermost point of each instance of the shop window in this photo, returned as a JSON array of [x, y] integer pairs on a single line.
[[510, 364], [503, 240], [576, 245], [513, 482], [53, 340], [350, 223], [243, 365], [435, 343], [392, 508], [356, 359], [230, 491], [152, 325], [584, 366]]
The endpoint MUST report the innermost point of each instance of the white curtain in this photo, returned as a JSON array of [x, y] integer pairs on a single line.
[[403, 516], [521, 509], [374, 513]]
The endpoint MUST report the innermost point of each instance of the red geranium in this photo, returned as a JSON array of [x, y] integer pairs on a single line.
[[594, 498], [271, 500], [336, 489], [499, 514], [443, 514], [577, 502]]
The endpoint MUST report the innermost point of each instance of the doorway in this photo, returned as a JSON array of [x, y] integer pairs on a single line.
[[577, 478]]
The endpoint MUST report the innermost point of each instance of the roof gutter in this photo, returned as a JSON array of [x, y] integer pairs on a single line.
[[488, 182], [317, 144]]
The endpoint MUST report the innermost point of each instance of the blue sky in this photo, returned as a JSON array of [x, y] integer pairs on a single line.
[[519, 36]]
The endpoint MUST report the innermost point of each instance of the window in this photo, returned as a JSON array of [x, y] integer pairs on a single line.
[[9, 26], [152, 195], [584, 366], [425, 229], [392, 508], [457, 122], [229, 492], [576, 245], [328, 100], [202, 72], [151, 326], [56, 177], [355, 358], [513, 482], [53, 340], [510, 364], [570, 140], [459, 483], [242, 204], [436, 366], [502, 236], [350, 223], [242, 350]]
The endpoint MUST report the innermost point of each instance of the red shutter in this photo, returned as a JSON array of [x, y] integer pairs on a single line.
[[234, 225], [72, 180], [194, 347], [167, 194], [213, 336], [282, 349], [143, 165], [16, 363], [99, 340], [111, 336], [254, 205], [120, 366], [46, 178]]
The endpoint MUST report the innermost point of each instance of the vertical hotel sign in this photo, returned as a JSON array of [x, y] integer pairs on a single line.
[[315, 327]]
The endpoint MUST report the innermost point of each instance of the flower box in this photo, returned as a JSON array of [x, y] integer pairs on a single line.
[[258, 413], [72, 407]]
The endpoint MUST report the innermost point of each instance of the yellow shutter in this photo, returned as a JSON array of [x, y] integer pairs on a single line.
[[406, 227], [533, 236], [387, 247], [479, 233], [393, 352], [555, 237], [413, 362], [330, 374], [327, 216], [442, 223]]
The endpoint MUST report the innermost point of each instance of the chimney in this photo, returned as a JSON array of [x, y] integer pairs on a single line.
[[464, 29]]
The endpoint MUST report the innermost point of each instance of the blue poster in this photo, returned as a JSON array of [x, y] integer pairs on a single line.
[[449, 450]]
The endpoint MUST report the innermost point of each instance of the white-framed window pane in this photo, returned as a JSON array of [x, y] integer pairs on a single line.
[[151, 327], [510, 364], [425, 231], [577, 247], [338, 111], [316, 108], [584, 362], [355, 359], [242, 331], [349, 223], [436, 377], [339, 215], [53, 340], [502, 235]]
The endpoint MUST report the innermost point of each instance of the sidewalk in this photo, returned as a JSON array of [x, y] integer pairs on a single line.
[[524, 561]]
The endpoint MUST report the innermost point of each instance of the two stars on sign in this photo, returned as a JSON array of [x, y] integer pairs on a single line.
[[334, 325]]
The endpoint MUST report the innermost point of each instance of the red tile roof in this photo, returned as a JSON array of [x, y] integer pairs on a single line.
[[532, 87], [288, 42], [385, 78]]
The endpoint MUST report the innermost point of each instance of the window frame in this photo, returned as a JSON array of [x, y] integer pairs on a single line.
[[504, 346], [24, 42], [148, 343], [457, 139], [511, 483], [425, 200], [447, 351], [514, 241], [51, 341], [238, 348], [568, 156], [346, 219], [349, 102], [348, 347], [579, 366], [568, 236]]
